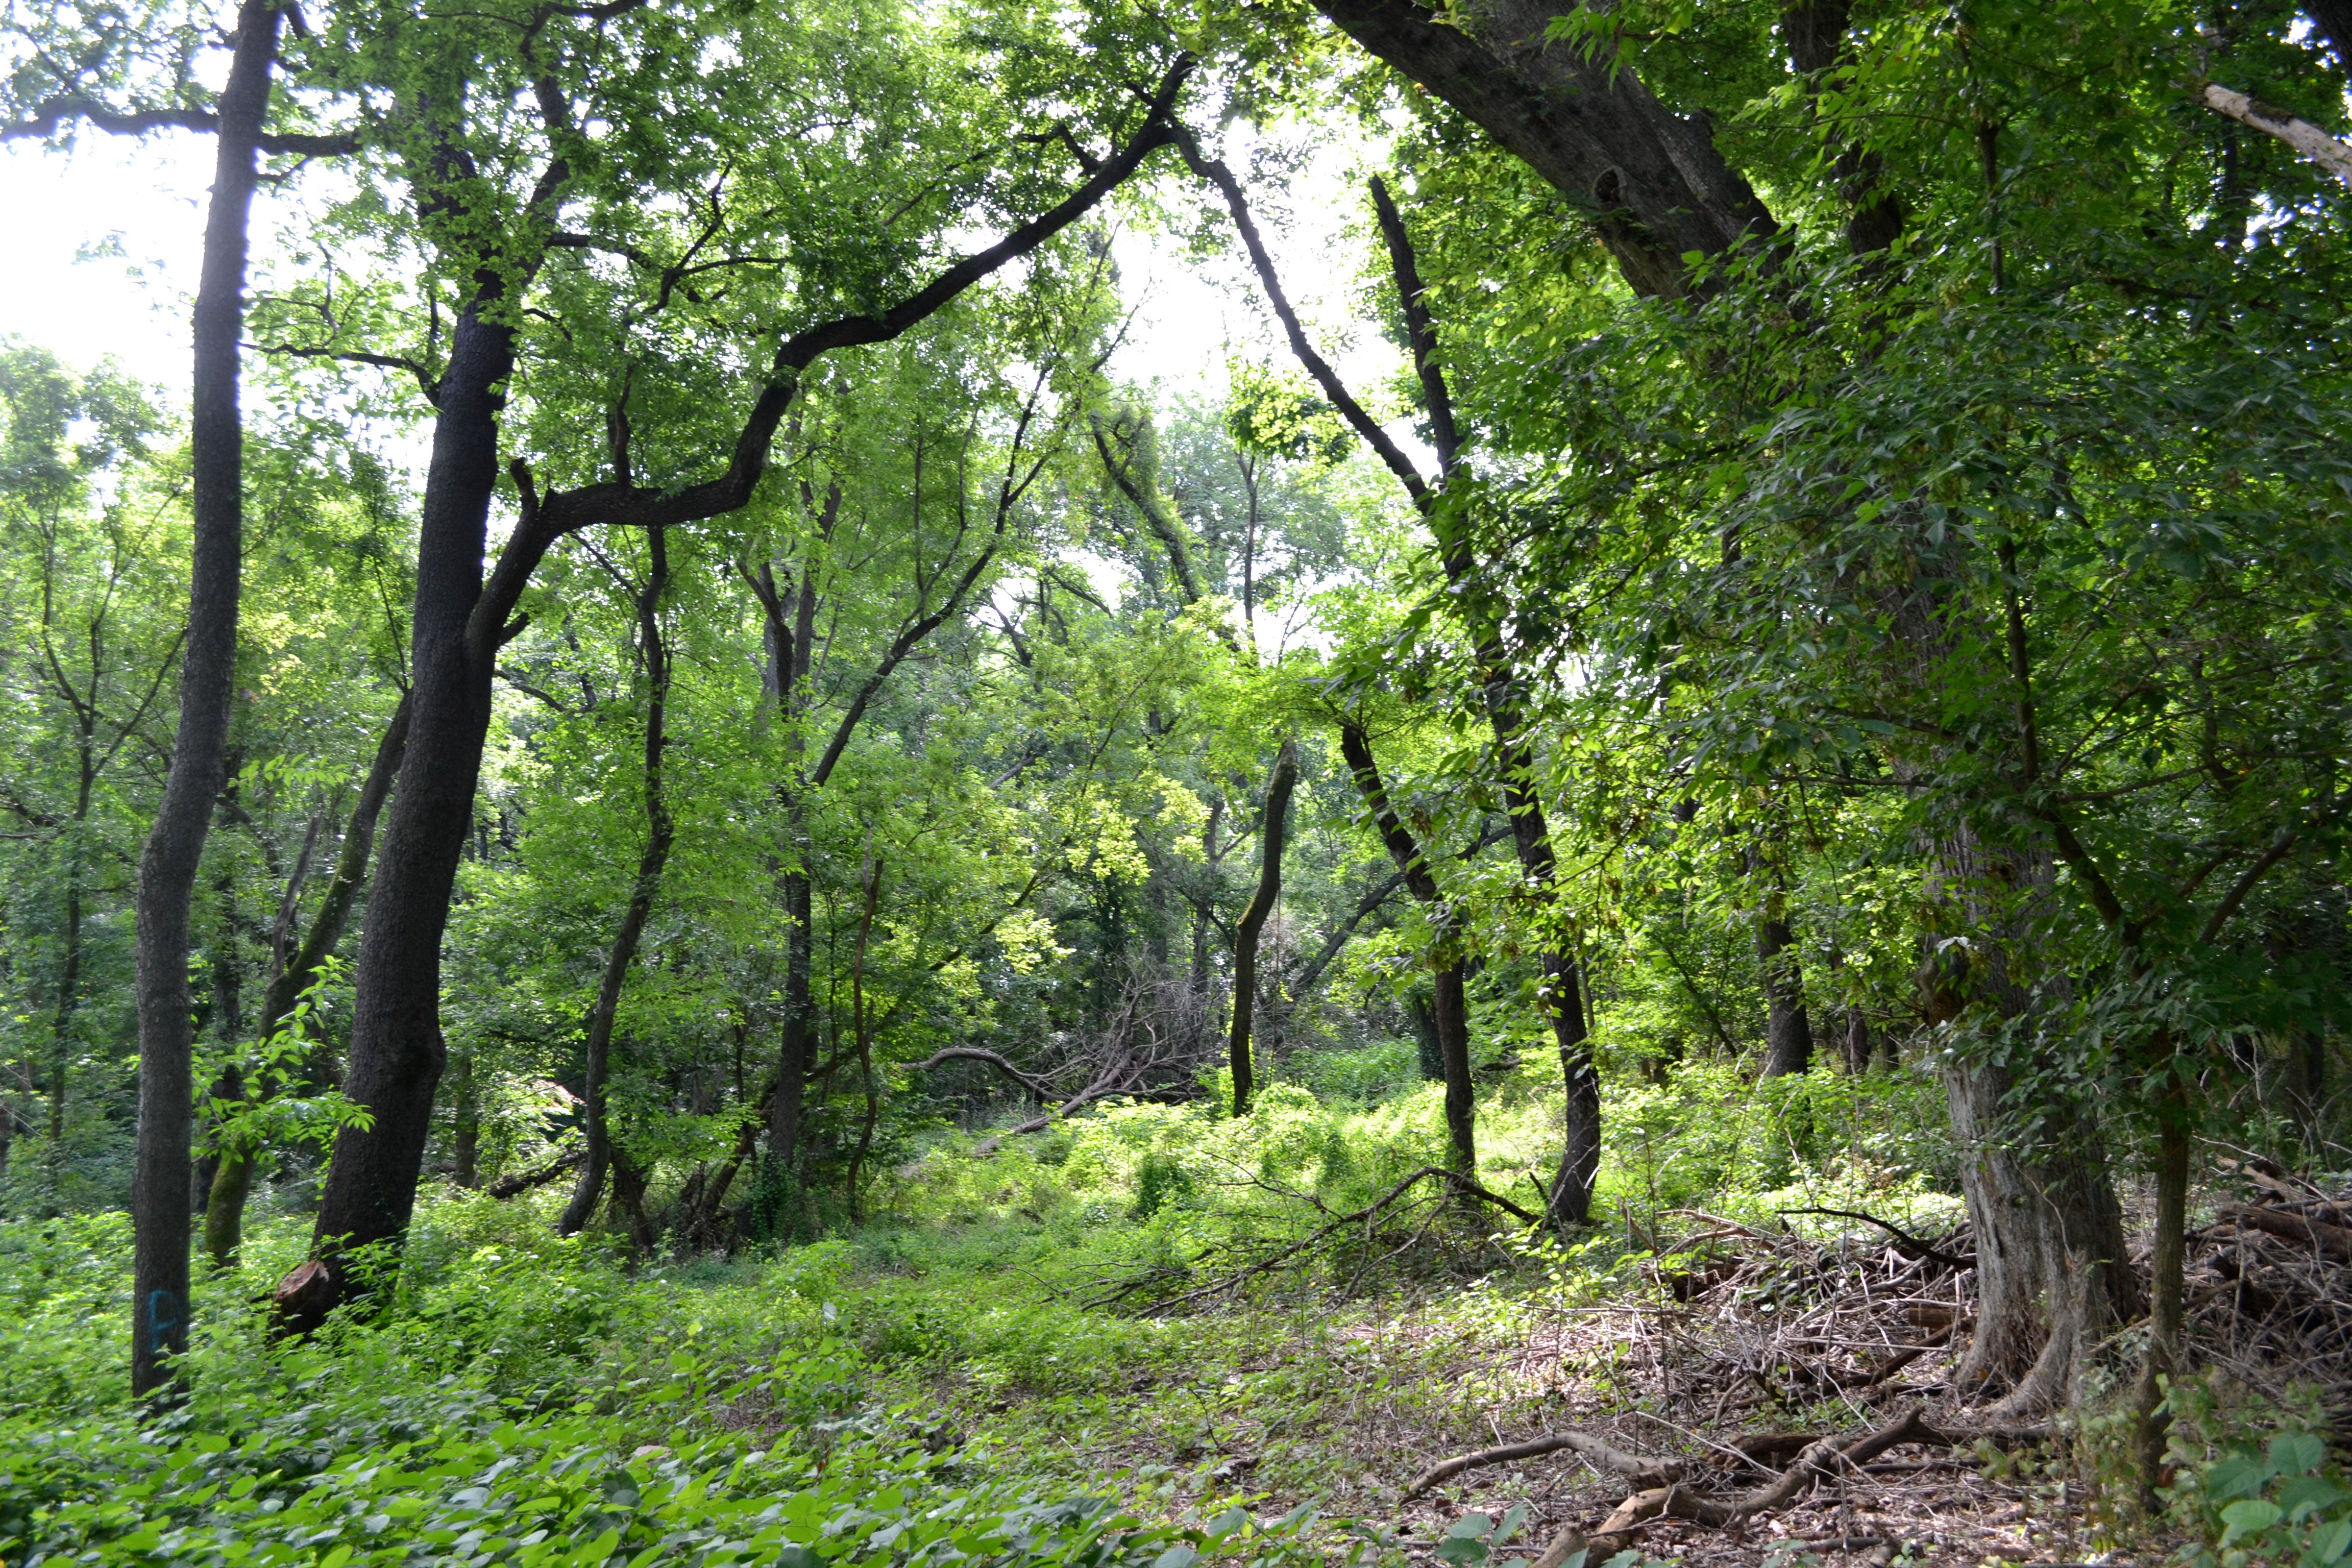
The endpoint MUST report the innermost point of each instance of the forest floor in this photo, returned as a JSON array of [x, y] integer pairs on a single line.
[[1228, 1332], [1343, 1405]]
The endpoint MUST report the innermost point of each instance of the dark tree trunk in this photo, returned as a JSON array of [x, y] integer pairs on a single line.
[[1449, 1013], [232, 1183], [1787, 1031], [658, 834], [791, 636], [1246, 930], [167, 869], [465, 1133], [396, 1051]]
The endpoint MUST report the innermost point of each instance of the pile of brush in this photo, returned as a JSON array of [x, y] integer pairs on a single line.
[[2270, 1286]]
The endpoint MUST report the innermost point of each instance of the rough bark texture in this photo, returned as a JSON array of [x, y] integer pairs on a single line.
[[1246, 931], [167, 869], [1580, 118], [660, 831], [1449, 1011], [2051, 1270]]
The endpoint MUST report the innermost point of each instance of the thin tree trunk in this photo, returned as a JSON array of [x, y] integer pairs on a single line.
[[858, 1022], [466, 1134], [2166, 1286], [659, 831], [1278, 785], [61, 1023], [167, 871], [232, 1183], [1449, 1009], [1787, 1031]]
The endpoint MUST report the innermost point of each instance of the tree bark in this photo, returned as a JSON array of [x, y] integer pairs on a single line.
[[167, 869], [1246, 930], [2166, 1286], [396, 1051], [1581, 118], [232, 1183], [659, 831], [1788, 1029], [1449, 1011]]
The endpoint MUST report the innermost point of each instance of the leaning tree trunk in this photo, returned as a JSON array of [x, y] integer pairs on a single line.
[[1246, 931], [232, 1182], [167, 871], [396, 1050], [658, 834], [1449, 1009]]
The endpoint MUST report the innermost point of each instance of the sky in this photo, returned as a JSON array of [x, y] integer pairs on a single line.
[[104, 256]]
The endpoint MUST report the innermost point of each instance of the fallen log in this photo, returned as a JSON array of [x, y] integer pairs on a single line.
[[2333, 1240]]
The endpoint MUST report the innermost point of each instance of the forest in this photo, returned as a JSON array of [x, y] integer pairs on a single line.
[[1633, 853]]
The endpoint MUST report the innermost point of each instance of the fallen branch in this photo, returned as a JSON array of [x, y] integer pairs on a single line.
[[1034, 1085], [523, 1181], [1360, 1216], [1912, 1246], [1641, 1470], [1827, 1457]]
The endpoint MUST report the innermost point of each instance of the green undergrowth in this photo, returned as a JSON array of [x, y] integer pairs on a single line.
[[944, 1385]]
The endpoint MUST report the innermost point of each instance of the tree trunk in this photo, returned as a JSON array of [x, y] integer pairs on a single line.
[[858, 1023], [1569, 1200], [167, 869], [466, 1133], [1788, 1032], [396, 1051], [1449, 1012], [1278, 786], [2051, 1270], [232, 1183], [658, 834], [2166, 1288]]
